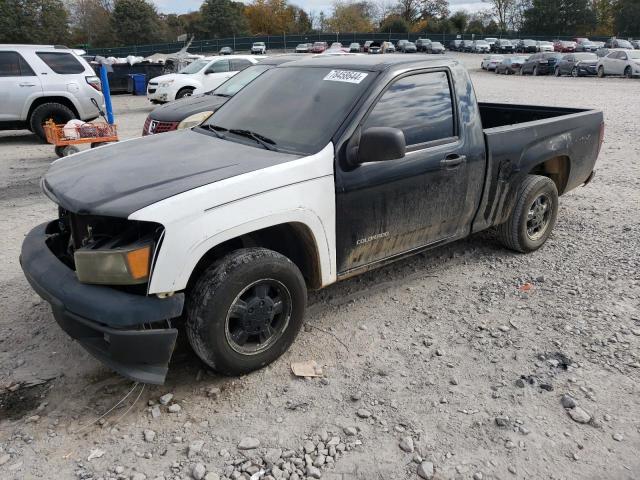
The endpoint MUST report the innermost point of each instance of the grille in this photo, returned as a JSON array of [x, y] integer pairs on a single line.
[[152, 127]]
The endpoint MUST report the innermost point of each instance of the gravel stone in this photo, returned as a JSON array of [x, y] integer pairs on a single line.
[[363, 413], [579, 415], [426, 470], [198, 471], [406, 444], [248, 443], [166, 398], [568, 401]]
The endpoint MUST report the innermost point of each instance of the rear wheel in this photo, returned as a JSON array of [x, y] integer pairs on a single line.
[[557, 72], [533, 216], [56, 112], [535, 71], [245, 310], [601, 73]]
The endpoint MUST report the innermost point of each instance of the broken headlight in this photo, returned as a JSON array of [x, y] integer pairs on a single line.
[[128, 265]]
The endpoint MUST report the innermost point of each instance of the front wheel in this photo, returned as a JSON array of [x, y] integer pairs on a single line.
[[574, 72], [535, 71], [628, 73], [601, 73], [185, 92], [245, 310], [533, 216], [557, 72]]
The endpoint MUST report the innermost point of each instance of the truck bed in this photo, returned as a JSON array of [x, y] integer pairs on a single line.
[[520, 138]]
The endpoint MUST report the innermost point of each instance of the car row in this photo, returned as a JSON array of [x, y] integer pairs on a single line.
[[577, 64]]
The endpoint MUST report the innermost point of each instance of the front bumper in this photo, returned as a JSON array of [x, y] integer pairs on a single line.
[[156, 93], [110, 324]]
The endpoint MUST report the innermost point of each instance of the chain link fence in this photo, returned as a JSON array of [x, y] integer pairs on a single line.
[[289, 42]]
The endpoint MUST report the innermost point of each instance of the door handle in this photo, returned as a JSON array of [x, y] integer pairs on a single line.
[[27, 84], [452, 161]]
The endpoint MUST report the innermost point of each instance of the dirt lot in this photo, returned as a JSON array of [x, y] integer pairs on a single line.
[[455, 360]]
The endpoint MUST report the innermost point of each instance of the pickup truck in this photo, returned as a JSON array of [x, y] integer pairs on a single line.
[[350, 163]]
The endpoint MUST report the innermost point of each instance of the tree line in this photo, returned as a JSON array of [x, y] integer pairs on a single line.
[[107, 23]]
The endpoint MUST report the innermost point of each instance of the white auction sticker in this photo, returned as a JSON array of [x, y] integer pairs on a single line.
[[348, 76]]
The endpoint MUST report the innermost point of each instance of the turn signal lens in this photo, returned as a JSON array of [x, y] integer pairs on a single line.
[[138, 261]]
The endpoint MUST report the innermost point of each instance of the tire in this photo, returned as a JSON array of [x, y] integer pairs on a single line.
[[184, 92], [66, 150], [628, 73], [574, 72], [226, 301], [535, 71], [49, 111], [557, 72], [601, 73], [522, 233]]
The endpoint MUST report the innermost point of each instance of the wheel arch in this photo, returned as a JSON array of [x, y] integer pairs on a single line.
[[66, 101], [556, 168]]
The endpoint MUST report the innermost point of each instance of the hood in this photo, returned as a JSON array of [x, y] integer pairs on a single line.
[[164, 78], [182, 108], [119, 179]]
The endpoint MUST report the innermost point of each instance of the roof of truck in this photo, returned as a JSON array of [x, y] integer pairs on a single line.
[[371, 63]]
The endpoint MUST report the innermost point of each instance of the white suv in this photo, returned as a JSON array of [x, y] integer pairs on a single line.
[[42, 82], [204, 75], [259, 48]]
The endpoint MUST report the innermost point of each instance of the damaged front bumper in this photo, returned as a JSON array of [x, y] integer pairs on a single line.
[[114, 326]]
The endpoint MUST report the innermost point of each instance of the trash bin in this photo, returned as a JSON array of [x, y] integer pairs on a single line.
[[137, 84]]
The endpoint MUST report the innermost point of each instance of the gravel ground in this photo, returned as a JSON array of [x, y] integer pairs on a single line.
[[467, 362]]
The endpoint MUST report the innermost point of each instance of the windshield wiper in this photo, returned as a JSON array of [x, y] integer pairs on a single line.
[[216, 129], [261, 139]]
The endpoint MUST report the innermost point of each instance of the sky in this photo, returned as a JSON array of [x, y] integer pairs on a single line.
[[184, 6]]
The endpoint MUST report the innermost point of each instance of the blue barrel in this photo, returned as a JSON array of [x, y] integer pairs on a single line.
[[139, 83]]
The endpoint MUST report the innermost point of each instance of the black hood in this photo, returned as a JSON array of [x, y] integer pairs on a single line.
[[181, 109], [118, 179]]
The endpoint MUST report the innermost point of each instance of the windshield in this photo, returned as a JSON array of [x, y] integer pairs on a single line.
[[481, 42], [436, 44], [240, 80], [624, 44], [258, 44], [299, 109], [586, 56], [634, 55], [195, 67]]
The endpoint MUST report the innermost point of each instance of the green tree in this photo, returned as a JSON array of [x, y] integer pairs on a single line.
[[560, 17], [627, 18], [434, 9], [33, 21], [91, 23], [459, 21], [352, 16], [223, 18], [395, 24], [135, 22]]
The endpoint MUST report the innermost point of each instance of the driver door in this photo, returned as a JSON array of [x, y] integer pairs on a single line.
[[215, 74]]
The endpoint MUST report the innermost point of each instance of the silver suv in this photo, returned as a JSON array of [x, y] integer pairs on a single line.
[[45, 82]]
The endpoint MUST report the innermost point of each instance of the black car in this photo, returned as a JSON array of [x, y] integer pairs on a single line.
[[511, 65], [527, 46], [375, 48], [541, 64], [423, 44], [175, 115], [503, 45], [618, 43], [579, 64], [455, 45], [588, 46], [467, 46]]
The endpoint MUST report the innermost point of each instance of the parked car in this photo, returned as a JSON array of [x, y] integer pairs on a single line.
[[39, 83], [467, 46], [365, 47], [503, 45], [587, 46], [206, 73], [226, 51], [336, 47], [455, 45], [423, 44], [258, 48], [400, 45], [435, 48], [543, 46], [527, 46], [492, 43], [375, 48], [511, 65], [635, 44], [490, 62], [618, 43], [222, 228], [409, 47], [540, 64], [193, 110], [387, 47], [564, 46], [303, 48], [319, 47], [580, 64], [620, 62], [480, 46], [354, 47]]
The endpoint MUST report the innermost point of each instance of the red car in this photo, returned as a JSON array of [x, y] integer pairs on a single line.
[[319, 47], [564, 46]]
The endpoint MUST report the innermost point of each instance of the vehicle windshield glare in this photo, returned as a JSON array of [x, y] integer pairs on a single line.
[[195, 67], [240, 80], [634, 55], [586, 56], [298, 108], [624, 44]]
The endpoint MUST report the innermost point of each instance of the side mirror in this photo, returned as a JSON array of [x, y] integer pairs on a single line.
[[379, 144]]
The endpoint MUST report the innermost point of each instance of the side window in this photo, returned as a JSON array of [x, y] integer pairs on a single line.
[[219, 67], [62, 63], [622, 56], [239, 64], [13, 65], [419, 105]]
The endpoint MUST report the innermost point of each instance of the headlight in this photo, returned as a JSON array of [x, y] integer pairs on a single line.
[[195, 119], [166, 83], [119, 266]]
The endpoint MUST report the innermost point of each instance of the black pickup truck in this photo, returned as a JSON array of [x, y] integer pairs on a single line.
[[318, 170]]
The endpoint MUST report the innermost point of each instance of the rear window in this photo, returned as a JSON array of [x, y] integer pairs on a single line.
[[62, 63], [13, 65]]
